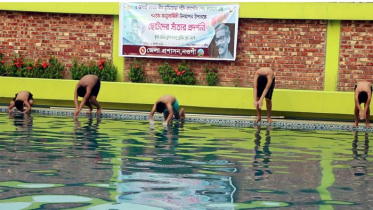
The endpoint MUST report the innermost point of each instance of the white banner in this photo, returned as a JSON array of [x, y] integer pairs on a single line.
[[182, 31]]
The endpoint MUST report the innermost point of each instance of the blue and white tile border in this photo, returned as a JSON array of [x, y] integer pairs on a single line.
[[218, 120]]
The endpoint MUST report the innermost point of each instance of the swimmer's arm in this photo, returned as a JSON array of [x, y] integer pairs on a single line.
[[152, 111], [357, 101], [11, 105], [28, 107], [76, 96], [269, 83], [367, 104], [255, 86], [171, 112], [86, 97]]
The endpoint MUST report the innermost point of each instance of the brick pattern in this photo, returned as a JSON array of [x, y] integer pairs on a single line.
[[356, 54], [66, 36], [295, 49]]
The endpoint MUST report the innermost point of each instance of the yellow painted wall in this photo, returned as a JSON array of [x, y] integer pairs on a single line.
[[142, 96], [332, 55], [276, 10]]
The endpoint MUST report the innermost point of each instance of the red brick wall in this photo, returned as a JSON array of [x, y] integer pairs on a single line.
[[295, 49], [356, 54], [66, 36]]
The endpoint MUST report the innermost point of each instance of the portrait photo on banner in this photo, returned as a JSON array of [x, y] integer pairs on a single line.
[[134, 34], [222, 45]]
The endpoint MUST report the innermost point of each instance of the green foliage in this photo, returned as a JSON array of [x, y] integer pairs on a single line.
[[109, 72], [211, 76], [136, 73], [165, 71], [54, 69], [19, 68], [2, 65], [78, 70], [106, 71], [14, 69], [181, 75]]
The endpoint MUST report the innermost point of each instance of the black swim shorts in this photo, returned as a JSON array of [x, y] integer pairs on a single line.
[[262, 86], [96, 88]]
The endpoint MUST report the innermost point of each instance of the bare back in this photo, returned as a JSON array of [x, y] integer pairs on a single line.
[[363, 86], [167, 99], [23, 95], [265, 71], [88, 80]]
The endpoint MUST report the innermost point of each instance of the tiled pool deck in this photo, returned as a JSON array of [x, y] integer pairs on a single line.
[[224, 120]]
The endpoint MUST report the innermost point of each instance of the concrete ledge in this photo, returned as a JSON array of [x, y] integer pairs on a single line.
[[223, 120]]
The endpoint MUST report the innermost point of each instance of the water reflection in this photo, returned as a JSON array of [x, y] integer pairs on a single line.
[[262, 155], [23, 134], [86, 140], [22, 122], [360, 154], [169, 181], [87, 134], [169, 137], [59, 157], [119, 164]]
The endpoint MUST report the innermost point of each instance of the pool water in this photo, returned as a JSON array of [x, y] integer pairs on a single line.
[[55, 162]]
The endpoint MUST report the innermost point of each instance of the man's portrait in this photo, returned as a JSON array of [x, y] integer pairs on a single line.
[[222, 45], [133, 36]]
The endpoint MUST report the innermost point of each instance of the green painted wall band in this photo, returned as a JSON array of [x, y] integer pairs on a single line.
[[118, 61], [332, 55], [269, 10], [284, 100]]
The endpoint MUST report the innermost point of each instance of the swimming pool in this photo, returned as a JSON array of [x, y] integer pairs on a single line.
[[54, 162]]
